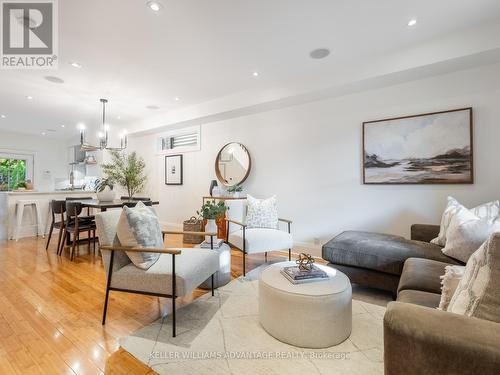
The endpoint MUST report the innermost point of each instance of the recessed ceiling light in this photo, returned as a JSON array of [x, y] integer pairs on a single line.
[[74, 64], [152, 107], [412, 22], [3, 116], [176, 99], [81, 126], [43, 133], [63, 126], [54, 79], [255, 74], [319, 53], [29, 97], [118, 117], [154, 5]]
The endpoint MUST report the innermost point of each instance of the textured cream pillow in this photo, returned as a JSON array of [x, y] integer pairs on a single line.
[[449, 283], [467, 232], [262, 213], [490, 209], [139, 227], [478, 293]]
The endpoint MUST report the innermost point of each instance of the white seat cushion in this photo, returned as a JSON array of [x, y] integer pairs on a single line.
[[259, 240], [192, 267]]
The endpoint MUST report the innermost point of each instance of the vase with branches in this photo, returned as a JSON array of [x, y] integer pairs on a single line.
[[126, 170]]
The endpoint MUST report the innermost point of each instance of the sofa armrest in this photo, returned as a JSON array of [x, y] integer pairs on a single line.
[[424, 232], [421, 340]]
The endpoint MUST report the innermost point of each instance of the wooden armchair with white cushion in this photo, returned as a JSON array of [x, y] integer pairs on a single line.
[[253, 227], [176, 272]]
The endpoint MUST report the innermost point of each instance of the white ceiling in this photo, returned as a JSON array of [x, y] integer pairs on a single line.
[[201, 50]]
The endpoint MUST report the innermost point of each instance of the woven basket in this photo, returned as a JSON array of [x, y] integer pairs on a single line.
[[193, 225]]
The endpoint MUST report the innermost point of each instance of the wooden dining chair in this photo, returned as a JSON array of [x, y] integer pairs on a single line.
[[57, 207], [76, 225], [80, 199]]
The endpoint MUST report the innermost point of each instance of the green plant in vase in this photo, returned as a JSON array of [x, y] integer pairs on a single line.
[[103, 183], [210, 211], [22, 185], [104, 189], [126, 170], [235, 190]]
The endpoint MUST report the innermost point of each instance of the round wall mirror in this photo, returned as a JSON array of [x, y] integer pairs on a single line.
[[233, 164]]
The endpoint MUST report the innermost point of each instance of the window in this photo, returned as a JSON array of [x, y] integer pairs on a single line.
[[15, 169], [182, 140]]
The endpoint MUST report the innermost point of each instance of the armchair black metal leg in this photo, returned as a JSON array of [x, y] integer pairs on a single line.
[[244, 251], [173, 295], [213, 284], [108, 285], [289, 250], [265, 256], [105, 307], [244, 271]]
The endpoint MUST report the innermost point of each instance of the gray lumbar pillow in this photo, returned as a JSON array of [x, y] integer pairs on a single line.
[[139, 227]]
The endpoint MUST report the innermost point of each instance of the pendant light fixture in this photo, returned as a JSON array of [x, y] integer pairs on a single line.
[[103, 135]]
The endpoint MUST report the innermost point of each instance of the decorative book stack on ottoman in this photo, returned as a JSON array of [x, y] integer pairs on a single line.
[[304, 272]]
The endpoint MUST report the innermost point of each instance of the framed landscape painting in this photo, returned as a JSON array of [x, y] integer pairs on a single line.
[[431, 148]]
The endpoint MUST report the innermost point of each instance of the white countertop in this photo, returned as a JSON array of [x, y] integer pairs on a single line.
[[30, 192]]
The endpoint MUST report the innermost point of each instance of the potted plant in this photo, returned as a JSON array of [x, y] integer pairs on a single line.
[[235, 190], [104, 189], [210, 211], [126, 170], [21, 185]]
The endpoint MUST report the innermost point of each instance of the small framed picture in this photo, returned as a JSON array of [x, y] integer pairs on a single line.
[[173, 170]]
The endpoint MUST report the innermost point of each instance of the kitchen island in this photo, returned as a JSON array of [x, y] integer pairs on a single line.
[[28, 228]]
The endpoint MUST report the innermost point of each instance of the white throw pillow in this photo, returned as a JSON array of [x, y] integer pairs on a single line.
[[262, 213], [449, 283], [478, 293], [139, 227], [467, 232], [490, 209]]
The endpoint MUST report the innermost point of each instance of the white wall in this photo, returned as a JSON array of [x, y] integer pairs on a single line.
[[50, 155], [310, 156]]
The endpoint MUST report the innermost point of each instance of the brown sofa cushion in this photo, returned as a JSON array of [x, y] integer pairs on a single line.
[[380, 252], [422, 274], [419, 340], [420, 298]]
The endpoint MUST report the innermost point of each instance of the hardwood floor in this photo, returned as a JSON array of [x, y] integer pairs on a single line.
[[50, 311]]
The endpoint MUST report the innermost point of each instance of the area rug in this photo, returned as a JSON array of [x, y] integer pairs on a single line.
[[222, 335]]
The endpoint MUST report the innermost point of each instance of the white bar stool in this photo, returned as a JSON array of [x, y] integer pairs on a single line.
[[35, 207]]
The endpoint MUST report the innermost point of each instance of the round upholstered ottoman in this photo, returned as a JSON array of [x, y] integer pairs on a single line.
[[310, 315], [223, 275]]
